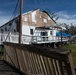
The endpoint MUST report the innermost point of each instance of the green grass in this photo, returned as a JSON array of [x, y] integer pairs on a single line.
[[0, 49], [72, 47]]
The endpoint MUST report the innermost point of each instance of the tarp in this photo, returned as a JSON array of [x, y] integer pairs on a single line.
[[63, 34]]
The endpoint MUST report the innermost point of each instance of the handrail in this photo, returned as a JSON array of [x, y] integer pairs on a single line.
[[28, 39], [38, 60], [61, 55]]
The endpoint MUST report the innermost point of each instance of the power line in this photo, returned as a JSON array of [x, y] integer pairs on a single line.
[[13, 14]]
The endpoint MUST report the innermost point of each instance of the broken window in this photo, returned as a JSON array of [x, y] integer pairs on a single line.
[[10, 24], [14, 30], [5, 28], [31, 31], [1, 30], [45, 20], [51, 32]]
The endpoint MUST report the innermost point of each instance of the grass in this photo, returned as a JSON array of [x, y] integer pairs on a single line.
[[0, 49], [72, 47]]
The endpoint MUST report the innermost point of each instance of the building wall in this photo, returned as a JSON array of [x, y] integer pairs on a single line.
[[26, 29], [10, 26], [30, 20], [38, 19]]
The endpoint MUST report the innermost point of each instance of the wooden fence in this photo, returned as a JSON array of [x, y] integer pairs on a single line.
[[35, 60]]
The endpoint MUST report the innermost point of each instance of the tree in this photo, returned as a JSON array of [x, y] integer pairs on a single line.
[[70, 29], [54, 16]]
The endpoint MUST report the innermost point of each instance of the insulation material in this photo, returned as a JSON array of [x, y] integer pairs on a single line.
[[33, 16]]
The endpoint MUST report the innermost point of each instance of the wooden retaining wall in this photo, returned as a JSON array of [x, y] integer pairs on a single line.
[[36, 60]]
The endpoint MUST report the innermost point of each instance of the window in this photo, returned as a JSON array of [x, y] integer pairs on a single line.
[[16, 21], [5, 29], [10, 24], [45, 21], [31, 31], [1, 30], [43, 33], [14, 30], [50, 32], [17, 25]]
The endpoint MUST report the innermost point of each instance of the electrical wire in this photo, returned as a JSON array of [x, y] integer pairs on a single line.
[[13, 15]]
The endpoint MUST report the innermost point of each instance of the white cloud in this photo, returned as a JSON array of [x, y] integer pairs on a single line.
[[74, 15], [63, 20], [65, 17]]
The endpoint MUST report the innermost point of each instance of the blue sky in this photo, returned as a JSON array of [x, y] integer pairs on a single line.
[[66, 9]]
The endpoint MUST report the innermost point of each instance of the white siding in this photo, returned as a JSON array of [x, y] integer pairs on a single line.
[[26, 29], [48, 32], [11, 28], [54, 32]]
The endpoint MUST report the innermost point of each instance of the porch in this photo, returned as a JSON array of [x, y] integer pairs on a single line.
[[30, 39]]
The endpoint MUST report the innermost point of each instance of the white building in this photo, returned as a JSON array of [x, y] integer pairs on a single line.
[[37, 27]]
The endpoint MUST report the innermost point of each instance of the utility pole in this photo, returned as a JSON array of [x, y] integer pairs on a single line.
[[20, 22]]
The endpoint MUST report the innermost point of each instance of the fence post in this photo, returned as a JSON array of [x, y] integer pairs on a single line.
[[70, 65]]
